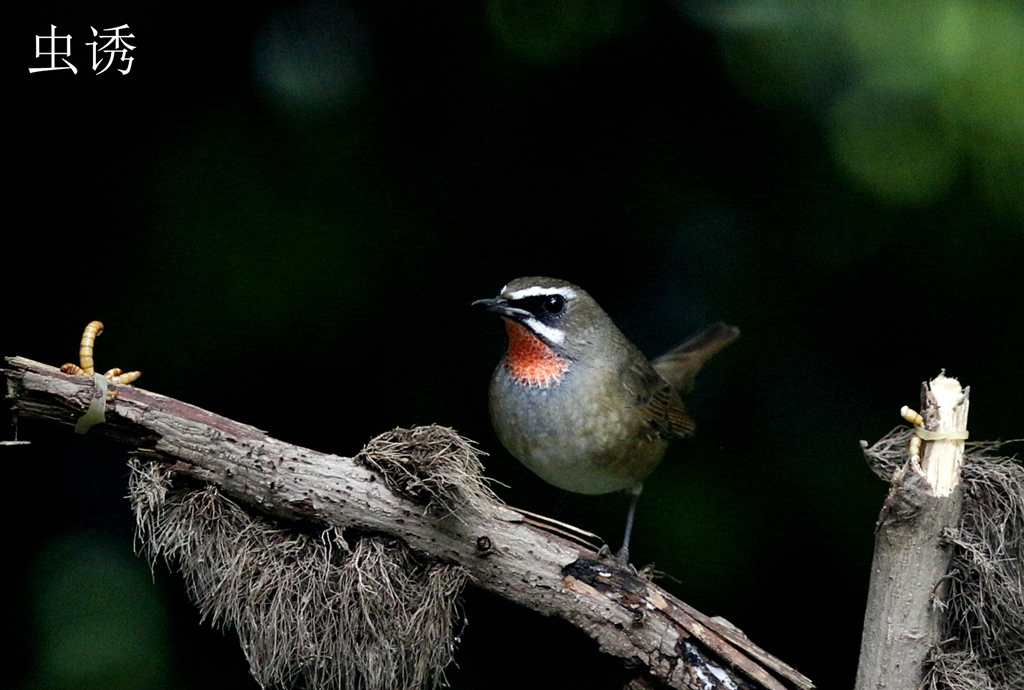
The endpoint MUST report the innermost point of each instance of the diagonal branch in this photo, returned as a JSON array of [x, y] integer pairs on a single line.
[[502, 550]]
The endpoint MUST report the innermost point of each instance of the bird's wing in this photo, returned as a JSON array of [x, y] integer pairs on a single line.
[[661, 405], [670, 415]]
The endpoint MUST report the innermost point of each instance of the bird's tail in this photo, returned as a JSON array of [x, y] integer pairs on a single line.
[[679, 366]]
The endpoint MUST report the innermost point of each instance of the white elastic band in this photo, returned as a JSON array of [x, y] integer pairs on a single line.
[[97, 406], [927, 435]]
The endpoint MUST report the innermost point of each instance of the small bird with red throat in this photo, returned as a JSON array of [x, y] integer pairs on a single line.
[[576, 402]]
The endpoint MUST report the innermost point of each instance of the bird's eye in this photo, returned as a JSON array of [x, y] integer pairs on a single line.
[[555, 304]]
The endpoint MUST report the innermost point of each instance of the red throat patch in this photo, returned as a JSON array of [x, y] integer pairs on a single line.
[[530, 360]]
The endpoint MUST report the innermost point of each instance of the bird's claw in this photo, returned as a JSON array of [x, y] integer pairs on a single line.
[[620, 559]]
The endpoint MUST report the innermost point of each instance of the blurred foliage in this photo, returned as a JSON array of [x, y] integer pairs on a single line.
[[912, 94], [283, 213]]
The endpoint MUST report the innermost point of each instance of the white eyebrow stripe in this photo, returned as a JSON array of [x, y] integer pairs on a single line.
[[536, 290], [552, 335]]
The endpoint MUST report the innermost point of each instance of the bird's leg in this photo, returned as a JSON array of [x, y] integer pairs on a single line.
[[622, 557]]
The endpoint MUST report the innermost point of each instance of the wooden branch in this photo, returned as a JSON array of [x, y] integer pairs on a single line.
[[502, 550], [902, 623]]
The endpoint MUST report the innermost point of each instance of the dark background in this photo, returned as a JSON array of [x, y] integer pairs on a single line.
[[286, 204]]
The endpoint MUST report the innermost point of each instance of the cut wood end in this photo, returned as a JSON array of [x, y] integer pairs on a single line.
[[948, 395], [943, 454]]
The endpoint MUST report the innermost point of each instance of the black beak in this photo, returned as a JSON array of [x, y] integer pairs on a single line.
[[501, 307]]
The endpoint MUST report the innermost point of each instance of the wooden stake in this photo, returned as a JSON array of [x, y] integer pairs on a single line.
[[902, 622]]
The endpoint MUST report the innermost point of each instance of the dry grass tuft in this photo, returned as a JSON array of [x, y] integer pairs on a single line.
[[984, 616], [309, 608], [432, 465]]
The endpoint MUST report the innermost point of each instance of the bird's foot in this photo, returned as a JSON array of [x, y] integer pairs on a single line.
[[621, 558]]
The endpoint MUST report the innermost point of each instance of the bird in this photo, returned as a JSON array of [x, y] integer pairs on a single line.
[[577, 403]]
